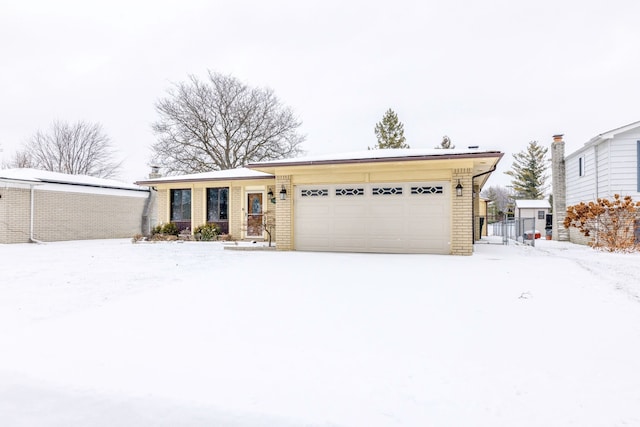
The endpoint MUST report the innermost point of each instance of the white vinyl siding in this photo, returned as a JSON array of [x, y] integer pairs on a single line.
[[581, 187], [617, 170]]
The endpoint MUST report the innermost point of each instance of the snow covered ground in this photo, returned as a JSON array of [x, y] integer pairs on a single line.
[[108, 333]]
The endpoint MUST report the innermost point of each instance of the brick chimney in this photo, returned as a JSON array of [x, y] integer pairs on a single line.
[[559, 184], [155, 172]]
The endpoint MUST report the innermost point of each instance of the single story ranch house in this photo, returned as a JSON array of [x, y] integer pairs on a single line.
[[387, 201]]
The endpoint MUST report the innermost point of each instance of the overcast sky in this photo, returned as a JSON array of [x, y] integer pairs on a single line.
[[493, 73]]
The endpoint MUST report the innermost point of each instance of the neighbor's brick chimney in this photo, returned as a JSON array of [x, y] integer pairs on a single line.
[[155, 172], [559, 184]]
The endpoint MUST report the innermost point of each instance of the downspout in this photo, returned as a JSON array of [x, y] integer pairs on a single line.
[[31, 220], [473, 213]]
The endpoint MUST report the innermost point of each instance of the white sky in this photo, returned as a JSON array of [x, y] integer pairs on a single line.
[[496, 73]]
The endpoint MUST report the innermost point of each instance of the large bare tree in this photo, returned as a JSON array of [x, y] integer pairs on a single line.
[[80, 148], [221, 123]]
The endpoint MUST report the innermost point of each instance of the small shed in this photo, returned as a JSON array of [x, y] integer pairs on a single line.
[[537, 209]]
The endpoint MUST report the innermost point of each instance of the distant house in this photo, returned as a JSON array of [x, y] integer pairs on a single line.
[[48, 206], [389, 201], [607, 164], [536, 209]]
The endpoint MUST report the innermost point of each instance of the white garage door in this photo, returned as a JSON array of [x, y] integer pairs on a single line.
[[384, 217]]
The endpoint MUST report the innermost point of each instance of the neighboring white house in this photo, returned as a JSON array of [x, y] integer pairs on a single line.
[[606, 165], [537, 209]]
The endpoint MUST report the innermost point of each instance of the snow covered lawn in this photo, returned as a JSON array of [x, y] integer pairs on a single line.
[[108, 333]]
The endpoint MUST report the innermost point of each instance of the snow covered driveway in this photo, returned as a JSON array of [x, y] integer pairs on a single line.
[[105, 333]]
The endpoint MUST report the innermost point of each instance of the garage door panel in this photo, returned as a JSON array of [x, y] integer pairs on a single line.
[[387, 217], [350, 229], [390, 229], [347, 210], [350, 244]]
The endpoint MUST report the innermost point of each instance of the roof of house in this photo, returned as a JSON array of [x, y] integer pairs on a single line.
[[532, 204], [223, 175], [28, 175], [612, 133], [380, 156]]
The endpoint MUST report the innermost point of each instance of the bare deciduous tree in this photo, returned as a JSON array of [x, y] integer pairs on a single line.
[[221, 123], [20, 159], [81, 148], [500, 198]]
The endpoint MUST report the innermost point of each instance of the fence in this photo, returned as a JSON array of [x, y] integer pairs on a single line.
[[520, 230]]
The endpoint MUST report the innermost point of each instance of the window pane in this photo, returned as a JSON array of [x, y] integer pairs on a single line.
[[224, 197], [212, 205], [217, 204], [180, 205], [186, 204]]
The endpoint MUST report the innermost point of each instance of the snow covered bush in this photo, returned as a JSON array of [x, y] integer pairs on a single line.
[[168, 228], [206, 232], [610, 224]]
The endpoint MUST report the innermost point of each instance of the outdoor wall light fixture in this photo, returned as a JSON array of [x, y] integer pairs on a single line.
[[283, 193], [271, 196], [459, 189]]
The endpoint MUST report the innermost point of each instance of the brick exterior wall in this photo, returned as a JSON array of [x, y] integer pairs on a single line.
[[284, 214], [60, 215], [235, 205], [198, 207], [15, 212], [577, 237], [462, 215], [163, 206]]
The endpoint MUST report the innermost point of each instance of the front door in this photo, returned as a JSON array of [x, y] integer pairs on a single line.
[[254, 215]]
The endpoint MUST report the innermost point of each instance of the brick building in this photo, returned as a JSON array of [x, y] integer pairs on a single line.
[[48, 206]]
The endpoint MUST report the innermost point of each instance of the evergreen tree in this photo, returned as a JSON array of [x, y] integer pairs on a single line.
[[390, 131], [529, 172], [446, 143]]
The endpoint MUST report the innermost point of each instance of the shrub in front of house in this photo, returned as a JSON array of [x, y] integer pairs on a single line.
[[206, 232], [167, 231]]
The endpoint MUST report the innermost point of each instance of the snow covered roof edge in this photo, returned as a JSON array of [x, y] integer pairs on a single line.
[[379, 155], [228, 174], [40, 176]]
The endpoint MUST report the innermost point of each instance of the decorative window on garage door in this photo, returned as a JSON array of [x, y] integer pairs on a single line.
[[315, 193], [438, 189], [383, 191], [349, 191]]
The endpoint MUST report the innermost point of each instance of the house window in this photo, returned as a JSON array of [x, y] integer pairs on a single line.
[[315, 193], [181, 208], [218, 207], [217, 204], [349, 191], [379, 191], [581, 166], [541, 215]]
